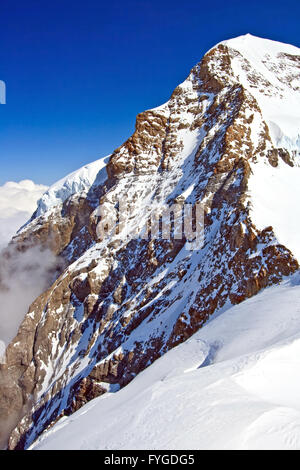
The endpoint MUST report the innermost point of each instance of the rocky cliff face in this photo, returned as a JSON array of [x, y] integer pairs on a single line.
[[123, 301]]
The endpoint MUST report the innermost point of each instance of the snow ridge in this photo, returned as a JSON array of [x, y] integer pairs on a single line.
[[80, 181]]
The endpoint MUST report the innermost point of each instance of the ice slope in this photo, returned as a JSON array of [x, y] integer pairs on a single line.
[[275, 84], [235, 384], [77, 182]]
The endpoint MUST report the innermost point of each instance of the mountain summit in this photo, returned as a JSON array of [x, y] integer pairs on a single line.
[[229, 140]]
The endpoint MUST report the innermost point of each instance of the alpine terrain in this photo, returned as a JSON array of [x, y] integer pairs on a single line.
[[163, 313]]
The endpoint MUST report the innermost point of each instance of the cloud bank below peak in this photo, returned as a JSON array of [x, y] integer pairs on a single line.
[[17, 203]]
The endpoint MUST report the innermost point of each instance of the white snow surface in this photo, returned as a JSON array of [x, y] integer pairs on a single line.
[[235, 384], [275, 195]]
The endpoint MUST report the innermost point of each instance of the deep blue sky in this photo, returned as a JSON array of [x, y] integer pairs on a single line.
[[78, 72]]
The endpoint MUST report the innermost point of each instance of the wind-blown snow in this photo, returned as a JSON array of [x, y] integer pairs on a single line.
[[17, 203], [234, 385]]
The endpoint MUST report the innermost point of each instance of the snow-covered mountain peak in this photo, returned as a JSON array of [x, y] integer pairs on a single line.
[[226, 138], [270, 71], [250, 44]]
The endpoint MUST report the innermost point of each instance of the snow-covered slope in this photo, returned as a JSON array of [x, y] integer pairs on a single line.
[[235, 384]]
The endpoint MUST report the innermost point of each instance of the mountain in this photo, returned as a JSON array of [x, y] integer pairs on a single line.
[[228, 140]]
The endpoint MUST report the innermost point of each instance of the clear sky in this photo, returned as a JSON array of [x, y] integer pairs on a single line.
[[78, 72]]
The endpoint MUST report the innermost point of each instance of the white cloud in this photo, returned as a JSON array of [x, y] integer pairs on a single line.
[[23, 275], [17, 203]]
